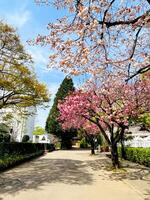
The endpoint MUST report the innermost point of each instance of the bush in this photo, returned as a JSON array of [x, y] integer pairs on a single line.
[[13, 160], [104, 148], [83, 143], [25, 138], [1, 137], [137, 155], [4, 129], [50, 147], [58, 145], [15, 148], [5, 137], [100, 139], [16, 153]]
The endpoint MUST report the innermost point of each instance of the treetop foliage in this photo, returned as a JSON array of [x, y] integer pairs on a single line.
[[38, 131], [100, 35], [52, 123], [18, 83]]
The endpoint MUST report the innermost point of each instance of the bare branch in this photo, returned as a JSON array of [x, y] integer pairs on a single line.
[[140, 71], [133, 50]]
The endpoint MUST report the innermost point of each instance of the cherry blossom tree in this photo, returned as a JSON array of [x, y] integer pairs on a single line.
[[109, 107], [90, 132], [95, 35]]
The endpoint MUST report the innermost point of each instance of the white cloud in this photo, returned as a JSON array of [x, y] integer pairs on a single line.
[[18, 18], [39, 55]]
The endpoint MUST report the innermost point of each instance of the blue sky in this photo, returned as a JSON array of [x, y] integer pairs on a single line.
[[30, 19]]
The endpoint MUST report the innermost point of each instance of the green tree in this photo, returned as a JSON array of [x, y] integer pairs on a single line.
[[4, 133], [38, 131], [18, 83], [144, 119], [4, 128], [52, 124]]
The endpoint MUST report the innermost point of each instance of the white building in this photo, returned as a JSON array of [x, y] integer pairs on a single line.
[[20, 124], [140, 138], [41, 138], [30, 122]]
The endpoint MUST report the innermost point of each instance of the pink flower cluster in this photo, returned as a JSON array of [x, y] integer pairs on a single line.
[[112, 103]]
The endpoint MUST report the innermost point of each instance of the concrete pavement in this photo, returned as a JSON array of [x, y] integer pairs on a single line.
[[74, 175]]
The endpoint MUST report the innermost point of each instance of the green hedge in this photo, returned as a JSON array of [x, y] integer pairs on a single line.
[[83, 143], [138, 155], [19, 148], [49, 147], [13, 160], [12, 154], [23, 148]]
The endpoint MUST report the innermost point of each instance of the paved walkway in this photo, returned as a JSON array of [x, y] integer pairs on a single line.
[[73, 175]]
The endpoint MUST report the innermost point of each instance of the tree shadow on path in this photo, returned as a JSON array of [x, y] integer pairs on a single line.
[[40, 172], [130, 172]]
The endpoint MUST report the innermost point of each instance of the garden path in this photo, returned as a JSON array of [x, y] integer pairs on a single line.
[[74, 175]]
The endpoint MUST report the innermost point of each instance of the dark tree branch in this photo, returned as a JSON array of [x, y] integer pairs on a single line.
[[120, 134], [140, 71], [99, 126], [128, 22], [148, 1], [105, 13], [133, 50]]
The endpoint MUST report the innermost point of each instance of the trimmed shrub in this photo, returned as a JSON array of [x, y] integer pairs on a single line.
[[13, 160], [1, 137], [137, 155], [25, 138], [15, 148], [12, 154], [83, 143], [50, 147], [23, 148], [7, 138]]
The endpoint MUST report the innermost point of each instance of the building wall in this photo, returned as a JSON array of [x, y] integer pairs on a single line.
[[140, 138], [21, 125], [41, 138], [30, 122]]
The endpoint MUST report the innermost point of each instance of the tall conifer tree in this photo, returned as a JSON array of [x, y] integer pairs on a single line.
[[52, 124]]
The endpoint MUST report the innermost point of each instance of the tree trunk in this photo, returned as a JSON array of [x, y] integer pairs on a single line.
[[92, 146], [92, 150], [114, 155], [123, 153]]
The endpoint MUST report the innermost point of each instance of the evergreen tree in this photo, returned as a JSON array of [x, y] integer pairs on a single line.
[[52, 123]]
